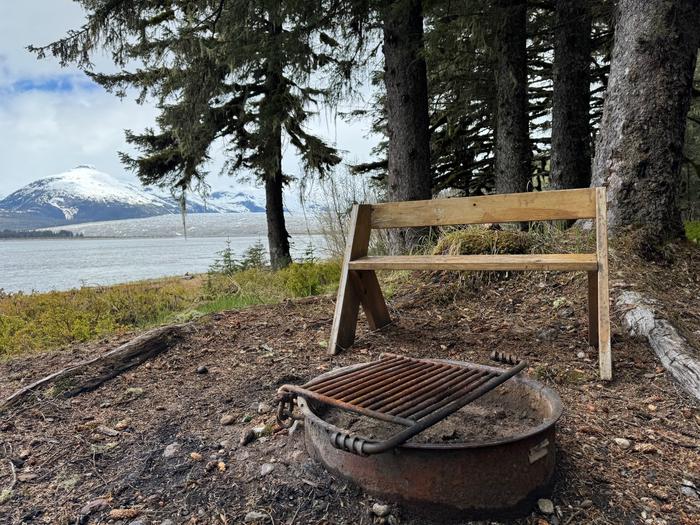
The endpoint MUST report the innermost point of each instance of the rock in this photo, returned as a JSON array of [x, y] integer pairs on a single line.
[[202, 369], [266, 469], [221, 466], [123, 514], [392, 520], [623, 443], [24, 453], [566, 311], [264, 408], [225, 444], [134, 391], [381, 510], [254, 516], [167, 522], [107, 431], [581, 355], [227, 419], [196, 456], [586, 504], [27, 476], [248, 436], [171, 450], [137, 522], [95, 505], [123, 424], [546, 506]]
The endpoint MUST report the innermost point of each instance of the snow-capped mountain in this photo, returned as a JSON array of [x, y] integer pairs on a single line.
[[85, 194]]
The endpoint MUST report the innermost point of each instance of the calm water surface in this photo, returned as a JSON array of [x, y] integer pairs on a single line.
[[61, 264]]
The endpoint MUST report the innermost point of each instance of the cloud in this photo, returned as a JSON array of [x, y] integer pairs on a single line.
[[53, 118]]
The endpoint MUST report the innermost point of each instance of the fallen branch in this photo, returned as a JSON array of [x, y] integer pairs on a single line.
[[672, 349], [109, 365]]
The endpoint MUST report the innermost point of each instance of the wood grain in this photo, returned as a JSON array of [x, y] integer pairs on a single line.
[[562, 262], [513, 207]]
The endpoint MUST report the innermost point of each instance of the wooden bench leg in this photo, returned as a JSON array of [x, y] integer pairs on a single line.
[[372, 300], [347, 308], [604, 351], [593, 309]]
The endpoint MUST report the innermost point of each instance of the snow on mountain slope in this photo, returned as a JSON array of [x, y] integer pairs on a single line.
[[85, 194]]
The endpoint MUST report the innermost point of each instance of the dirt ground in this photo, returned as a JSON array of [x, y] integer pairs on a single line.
[[78, 460]]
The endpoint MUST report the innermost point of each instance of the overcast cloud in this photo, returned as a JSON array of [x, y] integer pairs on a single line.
[[53, 118]]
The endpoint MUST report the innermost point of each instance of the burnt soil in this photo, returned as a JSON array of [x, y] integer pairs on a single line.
[[65, 453]]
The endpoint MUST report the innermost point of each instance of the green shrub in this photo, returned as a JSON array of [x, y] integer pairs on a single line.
[[692, 231]]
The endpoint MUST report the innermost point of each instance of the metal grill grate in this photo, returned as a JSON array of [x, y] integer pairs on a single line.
[[416, 393]]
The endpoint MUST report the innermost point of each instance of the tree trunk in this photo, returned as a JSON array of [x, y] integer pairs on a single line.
[[640, 142], [277, 236], [571, 132], [512, 148], [405, 78]]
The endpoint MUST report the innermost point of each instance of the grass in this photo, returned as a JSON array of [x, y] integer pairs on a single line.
[[45, 321]]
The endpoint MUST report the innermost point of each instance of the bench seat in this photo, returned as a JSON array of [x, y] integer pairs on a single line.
[[558, 262]]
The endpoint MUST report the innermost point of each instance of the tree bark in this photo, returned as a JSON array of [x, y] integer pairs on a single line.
[[640, 143], [406, 82], [277, 236], [512, 148], [571, 131]]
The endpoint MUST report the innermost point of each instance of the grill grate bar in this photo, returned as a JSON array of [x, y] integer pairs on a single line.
[[346, 380], [416, 392], [416, 413], [379, 399], [360, 383], [387, 382]]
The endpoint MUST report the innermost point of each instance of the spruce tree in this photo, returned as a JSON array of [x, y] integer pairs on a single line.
[[236, 70]]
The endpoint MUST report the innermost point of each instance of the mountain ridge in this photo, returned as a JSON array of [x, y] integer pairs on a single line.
[[85, 194]]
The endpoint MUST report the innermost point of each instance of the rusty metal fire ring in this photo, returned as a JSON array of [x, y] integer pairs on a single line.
[[490, 479]]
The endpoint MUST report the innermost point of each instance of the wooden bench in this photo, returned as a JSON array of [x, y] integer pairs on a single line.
[[359, 284]]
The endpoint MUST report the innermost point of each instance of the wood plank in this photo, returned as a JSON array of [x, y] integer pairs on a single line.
[[354, 290], [562, 262], [371, 298], [601, 231], [593, 309], [513, 207]]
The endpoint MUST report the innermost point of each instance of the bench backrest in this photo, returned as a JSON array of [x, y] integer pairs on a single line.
[[515, 207]]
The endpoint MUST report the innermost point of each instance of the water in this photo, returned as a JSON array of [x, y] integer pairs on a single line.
[[60, 264]]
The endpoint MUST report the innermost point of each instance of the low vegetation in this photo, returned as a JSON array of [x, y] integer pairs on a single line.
[[692, 231], [42, 321]]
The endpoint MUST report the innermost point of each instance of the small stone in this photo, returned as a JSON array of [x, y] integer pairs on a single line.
[[623, 443], [171, 450], [27, 476], [167, 522], [546, 506], [94, 506], [381, 510], [254, 516], [586, 504], [107, 431], [248, 436], [122, 424], [225, 444], [690, 492], [196, 456], [227, 419], [134, 391], [263, 408], [202, 369], [221, 466], [266, 469], [392, 520], [137, 522]]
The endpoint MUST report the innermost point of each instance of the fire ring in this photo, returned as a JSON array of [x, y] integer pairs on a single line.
[[492, 478]]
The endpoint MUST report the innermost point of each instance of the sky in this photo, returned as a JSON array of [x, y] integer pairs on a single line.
[[53, 119]]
